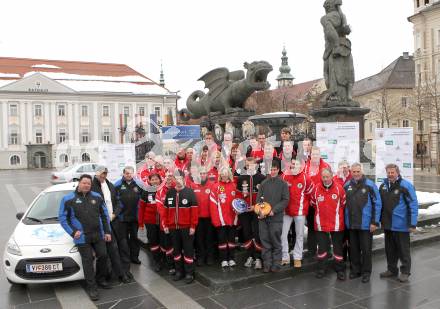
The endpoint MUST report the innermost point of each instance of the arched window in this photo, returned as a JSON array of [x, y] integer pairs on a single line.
[[64, 158], [85, 157], [14, 160]]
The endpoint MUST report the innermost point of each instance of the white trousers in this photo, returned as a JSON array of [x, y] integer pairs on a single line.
[[299, 230]]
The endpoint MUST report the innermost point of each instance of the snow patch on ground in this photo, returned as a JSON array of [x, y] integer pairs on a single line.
[[428, 197]]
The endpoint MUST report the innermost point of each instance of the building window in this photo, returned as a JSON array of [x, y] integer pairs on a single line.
[[39, 137], [421, 148], [141, 111], [37, 110], [61, 110], [62, 136], [105, 111], [85, 136], [426, 2], [64, 158], [14, 160], [13, 110], [84, 111], [371, 127], [417, 3], [106, 136], [85, 157], [420, 125], [405, 123], [13, 138], [157, 112], [404, 102], [378, 124], [127, 111]]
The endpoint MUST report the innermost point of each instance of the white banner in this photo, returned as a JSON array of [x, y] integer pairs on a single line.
[[338, 141], [394, 145], [115, 157]]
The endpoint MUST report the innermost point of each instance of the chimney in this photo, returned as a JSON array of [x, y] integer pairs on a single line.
[[406, 55]]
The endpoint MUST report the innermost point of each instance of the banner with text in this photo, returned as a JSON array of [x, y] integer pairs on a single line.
[[394, 145], [115, 157], [338, 141]]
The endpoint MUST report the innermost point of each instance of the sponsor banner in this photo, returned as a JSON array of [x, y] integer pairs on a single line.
[[338, 141], [115, 157], [394, 145], [180, 132]]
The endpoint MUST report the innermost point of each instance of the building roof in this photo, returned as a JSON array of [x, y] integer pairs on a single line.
[[400, 74], [80, 76]]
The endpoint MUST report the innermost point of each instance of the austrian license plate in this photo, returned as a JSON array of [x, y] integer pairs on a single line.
[[44, 268]]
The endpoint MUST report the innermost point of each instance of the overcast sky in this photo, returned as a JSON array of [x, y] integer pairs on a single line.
[[195, 36]]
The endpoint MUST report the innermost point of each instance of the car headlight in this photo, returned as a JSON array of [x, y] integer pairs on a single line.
[[13, 248], [74, 249]]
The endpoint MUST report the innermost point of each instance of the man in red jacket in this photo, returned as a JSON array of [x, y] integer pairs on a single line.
[[205, 230], [328, 199], [181, 217], [300, 188]]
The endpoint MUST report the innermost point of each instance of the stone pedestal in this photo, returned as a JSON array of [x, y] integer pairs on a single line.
[[227, 122], [277, 121]]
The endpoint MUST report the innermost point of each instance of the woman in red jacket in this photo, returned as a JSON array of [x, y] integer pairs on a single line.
[[149, 216], [328, 199], [223, 217]]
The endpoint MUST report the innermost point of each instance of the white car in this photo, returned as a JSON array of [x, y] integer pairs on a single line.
[[72, 173], [39, 250]]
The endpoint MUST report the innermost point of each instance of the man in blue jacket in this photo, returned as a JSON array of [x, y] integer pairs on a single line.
[[83, 216], [399, 218], [362, 216]]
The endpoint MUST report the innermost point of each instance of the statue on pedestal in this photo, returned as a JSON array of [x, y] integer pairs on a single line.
[[338, 61]]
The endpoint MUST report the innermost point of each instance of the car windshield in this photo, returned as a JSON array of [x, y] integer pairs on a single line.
[[45, 209]]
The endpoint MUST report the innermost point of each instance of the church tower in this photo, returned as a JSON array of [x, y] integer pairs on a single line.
[[285, 79], [162, 78]]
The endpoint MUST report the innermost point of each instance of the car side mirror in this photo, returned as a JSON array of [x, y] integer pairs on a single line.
[[19, 215]]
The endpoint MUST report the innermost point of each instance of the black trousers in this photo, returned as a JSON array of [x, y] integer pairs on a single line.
[[291, 236], [226, 242], [166, 247], [86, 252], [153, 235], [361, 251], [346, 246], [251, 234], [183, 251], [324, 245], [128, 242], [113, 254], [397, 247], [311, 234], [205, 239]]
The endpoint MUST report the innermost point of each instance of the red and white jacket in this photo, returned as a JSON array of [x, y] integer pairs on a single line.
[[315, 175], [220, 204], [213, 174], [329, 206], [202, 193], [342, 181], [300, 188], [160, 200], [148, 213], [180, 209], [181, 165]]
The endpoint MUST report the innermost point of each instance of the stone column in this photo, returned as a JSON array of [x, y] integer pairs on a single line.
[[115, 113], [70, 127], [48, 122], [4, 135], [76, 118], [96, 121], [22, 115], [30, 123], [54, 121]]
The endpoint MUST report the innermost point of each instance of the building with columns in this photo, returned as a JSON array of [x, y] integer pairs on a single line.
[[55, 113]]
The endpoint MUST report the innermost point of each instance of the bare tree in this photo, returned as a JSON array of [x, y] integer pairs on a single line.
[[434, 100], [384, 109]]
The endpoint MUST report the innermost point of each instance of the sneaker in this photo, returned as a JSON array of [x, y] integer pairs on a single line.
[[403, 278], [232, 263], [365, 278], [225, 264], [93, 294], [285, 262], [172, 271], [266, 269], [388, 274], [178, 276], [258, 264], [104, 285], [341, 275], [125, 279], [354, 275], [189, 279], [249, 262], [297, 263]]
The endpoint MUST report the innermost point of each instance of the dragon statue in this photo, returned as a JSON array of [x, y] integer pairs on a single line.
[[228, 91]]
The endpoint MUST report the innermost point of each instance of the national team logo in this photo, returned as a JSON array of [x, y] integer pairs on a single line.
[[258, 187], [184, 201], [150, 198], [78, 201], [396, 191], [238, 171], [221, 189], [93, 202], [207, 191], [233, 193], [135, 189], [170, 201], [123, 187], [300, 185], [334, 196], [349, 188], [364, 190], [320, 198]]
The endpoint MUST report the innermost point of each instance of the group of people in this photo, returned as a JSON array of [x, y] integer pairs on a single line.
[[187, 207]]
